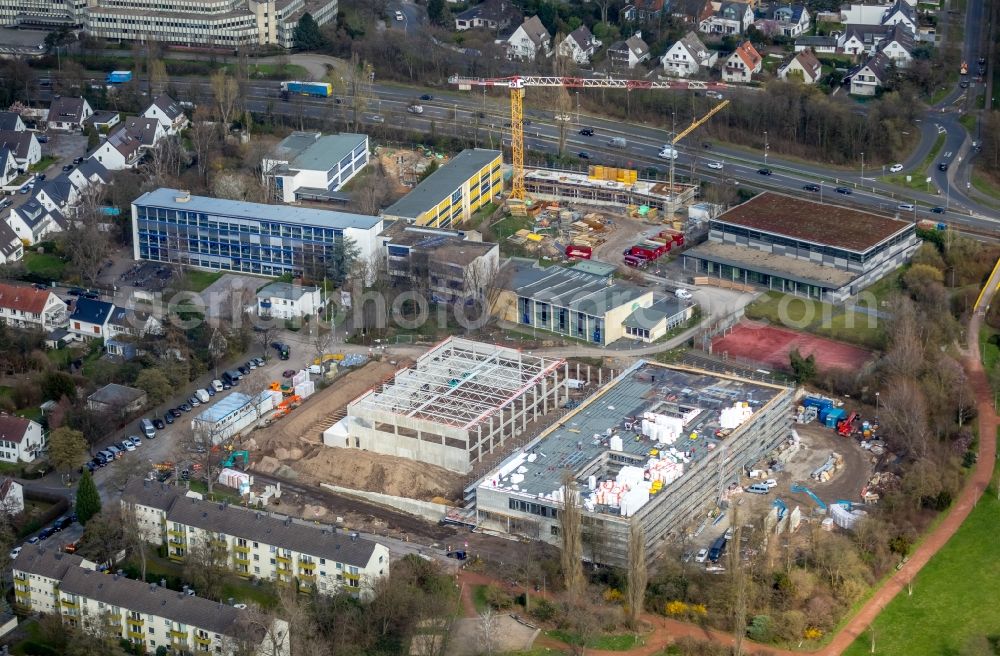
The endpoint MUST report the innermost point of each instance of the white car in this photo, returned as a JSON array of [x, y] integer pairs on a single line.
[[667, 153], [14, 552], [702, 556], [683, 294], [399, 15], [771, 482], [895, 168], [217, 385], [715, 165], [128, 445], [415, 109], [905, 207]]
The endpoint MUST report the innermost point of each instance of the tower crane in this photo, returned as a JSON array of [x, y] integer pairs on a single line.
[[518, 83], [695, 124]]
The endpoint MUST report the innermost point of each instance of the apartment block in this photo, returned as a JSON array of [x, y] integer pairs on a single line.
[[259, 544], [450, 195], [147, 615]]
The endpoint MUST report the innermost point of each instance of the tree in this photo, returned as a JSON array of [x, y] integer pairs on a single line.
[[343, 255], [67, 449], [638, 576], [437, 12], [487, 635], [205, 139], [307, 34], [227, 96], [57, 385], [158, 78], [803, 369], [103, 538], [206, 567], [85, 241], [200, 445], [572, 543], [88, 500], [93, 139], [156, 385], [133, 537], [373, 192]]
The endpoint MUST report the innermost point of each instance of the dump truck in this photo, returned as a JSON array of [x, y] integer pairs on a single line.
[[315, 89], [118, 77]]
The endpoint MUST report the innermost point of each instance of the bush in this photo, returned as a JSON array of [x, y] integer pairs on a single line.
[[498, 598], [542, 610]]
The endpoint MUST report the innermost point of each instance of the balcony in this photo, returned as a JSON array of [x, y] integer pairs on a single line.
[[135, 634], [176, 533], [307, 577], [202, 640], [287, 560], [241, 548], [178, 635], [69, 603]]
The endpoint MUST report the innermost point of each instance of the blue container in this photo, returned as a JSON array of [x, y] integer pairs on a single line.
[[817, 402]]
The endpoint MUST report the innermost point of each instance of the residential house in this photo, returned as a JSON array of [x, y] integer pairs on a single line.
[[313, 166], [628, 53], [258, 544], [150, 617], [649, 10], [21, 440], [89, 318], [731, 18], [8, 166], [126, 326], [27, 151], [863, 14], [26, 306], [284, 300], [803, 66], [793, 20], [119, 400], [870, 76], [127, 142], [66, 113], [901, 12], [898, 44], [820, 44], [11, 497], [529, 40], [32, 221], [169, 113], [627, 14], [56, 194], [103, 120], [579, 45], [692, 12], [742, 64], [11, 121], [687, 57], [11, 247], [89, 172], [861, 39], [495, 15]]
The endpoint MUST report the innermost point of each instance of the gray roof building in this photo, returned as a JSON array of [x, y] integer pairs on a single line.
[[649, 318], [285, 290], [182, 200], [572, 289], [11, 121], [441, 184], [115, 395]]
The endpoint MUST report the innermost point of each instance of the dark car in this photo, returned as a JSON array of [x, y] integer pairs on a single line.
[[184, 407], [43, 138], [587, 132], [175, 412], [40, 177], [94, 296], [937, 210], [210, 390], [706, 144], [810, 187], [427, 96], [243, 369], [288, 373], [764, 171], [458, 555], [45, 534], [68, 167], [943, 166], [583, 154], [77, 160], [61, 523], [168, 418], [74, 291], [844, 190], [964, 84], [226, 385], [158, 424]]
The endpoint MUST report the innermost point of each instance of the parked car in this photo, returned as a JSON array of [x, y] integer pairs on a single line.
[[135, 440], [682, 294], [45, 534], [62, 523], [427, 96], [210, 390], [176, 412], [243, 369], [702, 556], [168, 418], [158, 424], [68, 167], [226, 385], [217, 385], [288, 373], [6, 202], [127, 445], [251, 365], [193, 402], [77, 160], [184, 407]]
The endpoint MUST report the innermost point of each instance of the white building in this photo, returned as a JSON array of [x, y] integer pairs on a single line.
[[163, 221], [8, 166], [11, 497], [128, 141], [731, 18], [310, 166], [11, 246], [579, 45], [32, 221], [629, 53], [529, 40], [284, 300], [804, 67], [21, 440], [67, 113], [898, 44], [11, 121], [743, 64], [870, 76], [89, 319], [687, 57], [26, 306], [170, 115], [149, 616], [27, 151], [233, 414], [259, 544]]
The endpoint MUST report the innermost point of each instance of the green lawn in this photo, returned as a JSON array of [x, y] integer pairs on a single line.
[[606, 642], [968, 121], [989, 350], [197, 280], [219, 492], [954, 596], [274, 71], [479, 597], [45, 265], [818, 318], [984, 185], [887, 285], [43, 164], [918, 176]]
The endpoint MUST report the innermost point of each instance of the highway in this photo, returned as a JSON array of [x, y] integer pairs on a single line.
[[484, 118]]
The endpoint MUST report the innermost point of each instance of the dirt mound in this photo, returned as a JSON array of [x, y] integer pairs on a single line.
[[293, 447]]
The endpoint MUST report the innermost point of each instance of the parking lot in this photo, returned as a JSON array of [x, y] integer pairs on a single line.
[[146, 275]]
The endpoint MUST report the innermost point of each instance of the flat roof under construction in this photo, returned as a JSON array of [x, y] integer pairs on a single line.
[[701, 408], [458, 383]]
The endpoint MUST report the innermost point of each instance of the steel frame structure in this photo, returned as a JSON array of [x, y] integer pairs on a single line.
[[459, 383]]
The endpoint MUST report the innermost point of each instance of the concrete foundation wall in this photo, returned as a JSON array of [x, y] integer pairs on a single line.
[[432, 512]]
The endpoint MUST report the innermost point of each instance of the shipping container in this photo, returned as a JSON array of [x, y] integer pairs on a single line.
[[316, 89], [118, 77]]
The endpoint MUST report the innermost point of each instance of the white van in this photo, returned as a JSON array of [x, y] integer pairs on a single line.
[[668, 152], [202, 395], [217, 385], [758, 488], [147, 429], [617, 142]]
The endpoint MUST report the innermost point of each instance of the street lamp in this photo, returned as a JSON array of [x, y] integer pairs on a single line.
[[766, 147], [577, 107], [876, 405], [862, 167]]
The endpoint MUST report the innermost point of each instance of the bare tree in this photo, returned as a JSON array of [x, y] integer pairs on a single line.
[[638, 576], [158, 78], [572, 544], [488, 628], [205, 139], [206, 566], [85, 241], [485, 280], [739, 579], [201, 446], [133, 536], [603, 5], [374, 190], [903, 410], [359, 86], [227, 96]]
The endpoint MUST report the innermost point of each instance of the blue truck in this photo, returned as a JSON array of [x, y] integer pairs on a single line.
[[118, 77], [315, 89]]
